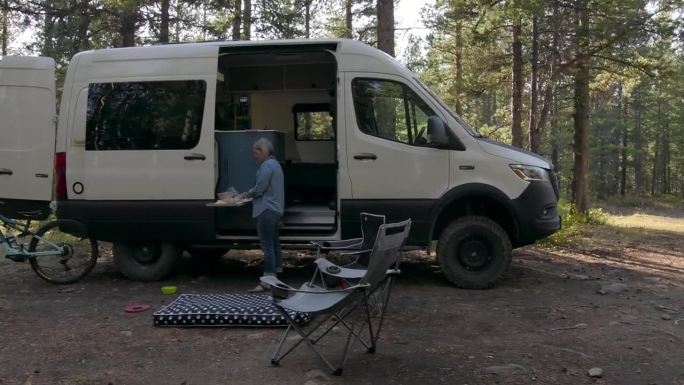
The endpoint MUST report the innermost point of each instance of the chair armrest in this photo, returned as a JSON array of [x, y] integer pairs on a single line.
[[328, 268], [277, 284], [338, 245], [357, 252], [273, 281]]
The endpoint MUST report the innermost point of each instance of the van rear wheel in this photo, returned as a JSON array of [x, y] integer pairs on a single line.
[[474, 252], [146, 261]]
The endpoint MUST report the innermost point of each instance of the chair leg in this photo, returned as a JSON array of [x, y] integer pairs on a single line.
[[371, 348], [275, 360], [305, 338], [345, 355], [385, 305], [349, 327], [340, 316]]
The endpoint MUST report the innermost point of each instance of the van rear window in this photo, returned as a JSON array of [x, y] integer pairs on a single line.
[[154, 115]]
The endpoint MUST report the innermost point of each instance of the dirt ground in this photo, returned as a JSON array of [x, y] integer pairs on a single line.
[[545, 323]]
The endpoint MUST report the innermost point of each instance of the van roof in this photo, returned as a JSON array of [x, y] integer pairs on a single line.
[[352, 55], [27, 62]]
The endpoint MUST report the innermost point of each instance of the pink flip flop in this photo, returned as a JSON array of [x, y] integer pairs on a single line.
[[136, 308]]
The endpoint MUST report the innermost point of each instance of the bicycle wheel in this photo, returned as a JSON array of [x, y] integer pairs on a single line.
[[79, 256]]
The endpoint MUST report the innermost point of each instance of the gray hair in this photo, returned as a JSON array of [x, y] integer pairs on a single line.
[[264, 145]]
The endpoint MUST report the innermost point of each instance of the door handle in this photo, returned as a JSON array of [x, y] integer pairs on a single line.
[[365, 156], [6, 171], [195, 157]]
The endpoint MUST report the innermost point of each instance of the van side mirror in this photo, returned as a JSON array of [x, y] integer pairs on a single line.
[[436, 130]]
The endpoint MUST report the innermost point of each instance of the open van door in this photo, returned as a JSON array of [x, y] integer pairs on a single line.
[[27, 135]]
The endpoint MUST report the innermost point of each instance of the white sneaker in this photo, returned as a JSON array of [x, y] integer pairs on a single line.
[[258, 289]]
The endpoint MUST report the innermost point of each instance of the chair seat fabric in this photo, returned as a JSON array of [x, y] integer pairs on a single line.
[[312, 302]]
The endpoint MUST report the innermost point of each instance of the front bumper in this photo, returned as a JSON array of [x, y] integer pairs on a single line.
[[536, 210]]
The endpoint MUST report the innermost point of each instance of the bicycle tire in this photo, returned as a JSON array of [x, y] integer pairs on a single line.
[[79, 249]]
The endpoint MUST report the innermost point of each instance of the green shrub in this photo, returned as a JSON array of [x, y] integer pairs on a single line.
[[573, 224]]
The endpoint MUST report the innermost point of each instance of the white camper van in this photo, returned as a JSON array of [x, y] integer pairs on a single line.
[[147, 136]]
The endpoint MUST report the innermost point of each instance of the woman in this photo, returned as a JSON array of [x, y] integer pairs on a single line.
[[267, 207]]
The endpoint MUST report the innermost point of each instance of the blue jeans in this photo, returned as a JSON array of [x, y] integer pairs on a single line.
[[267, 227]]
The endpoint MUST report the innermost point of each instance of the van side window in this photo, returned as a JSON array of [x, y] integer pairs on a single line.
[[154, 115], [390, 110]]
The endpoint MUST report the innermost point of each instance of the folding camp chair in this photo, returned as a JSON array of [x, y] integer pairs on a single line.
[[344, 304], [357, 247]]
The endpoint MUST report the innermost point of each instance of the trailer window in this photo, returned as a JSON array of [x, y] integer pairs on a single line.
[[154, 115], [390, 110]]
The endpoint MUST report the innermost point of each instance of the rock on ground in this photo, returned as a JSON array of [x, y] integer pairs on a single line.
[[613, 288], [595, 372], [505, 370]]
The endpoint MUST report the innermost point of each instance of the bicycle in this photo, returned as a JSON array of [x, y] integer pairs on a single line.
[[58, 251]]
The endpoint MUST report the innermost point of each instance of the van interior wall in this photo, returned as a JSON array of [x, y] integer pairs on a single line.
[[272, 110]]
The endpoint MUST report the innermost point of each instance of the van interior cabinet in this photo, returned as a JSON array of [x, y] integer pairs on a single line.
[[236, 166], [237, 169]]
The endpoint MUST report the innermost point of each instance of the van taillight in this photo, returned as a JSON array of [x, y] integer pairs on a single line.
[[60, 176]]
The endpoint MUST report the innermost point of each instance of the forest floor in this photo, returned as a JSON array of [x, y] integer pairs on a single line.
[[546, 322]]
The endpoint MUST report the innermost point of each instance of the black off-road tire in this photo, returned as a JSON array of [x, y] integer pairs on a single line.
[[146, 261], [474, 252]]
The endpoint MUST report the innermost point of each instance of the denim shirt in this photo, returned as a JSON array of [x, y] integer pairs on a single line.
[[269, 190]]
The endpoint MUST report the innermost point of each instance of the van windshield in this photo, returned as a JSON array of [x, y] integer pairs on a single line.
[[460, 120]]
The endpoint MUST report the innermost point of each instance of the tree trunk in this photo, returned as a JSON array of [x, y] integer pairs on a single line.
[[84, 26], [638, 144], [580, 196], [164, 25], [665, 147], [5, 26], [247, 20], [654, 173], [534, 128], [516, 103], [48, 31], [348, 32], [554, 75], [667, 182], [128, 17], [177, 26], [386, 26], [599, 129], [237, 10], [555, 146], [623, 149], [459, 67], [307, 19]]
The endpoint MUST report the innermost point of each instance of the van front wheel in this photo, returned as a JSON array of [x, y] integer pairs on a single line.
[[146, 261], [474, 252]]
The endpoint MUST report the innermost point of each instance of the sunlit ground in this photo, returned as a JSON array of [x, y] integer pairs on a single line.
[[647, 222]]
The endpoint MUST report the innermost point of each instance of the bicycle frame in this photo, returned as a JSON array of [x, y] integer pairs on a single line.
[[11, 251]]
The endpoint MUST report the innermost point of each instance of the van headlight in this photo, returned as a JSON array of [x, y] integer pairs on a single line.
[[530, 173]]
